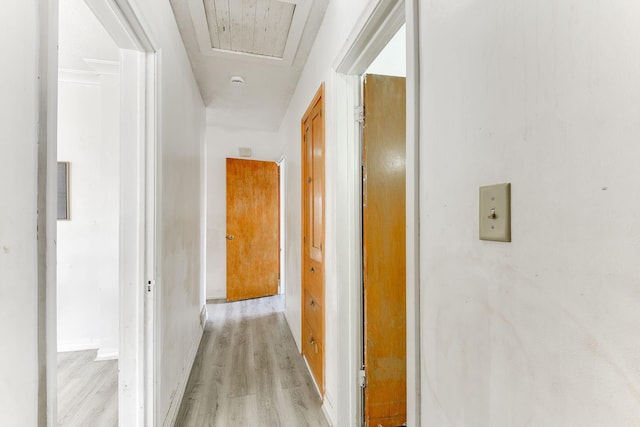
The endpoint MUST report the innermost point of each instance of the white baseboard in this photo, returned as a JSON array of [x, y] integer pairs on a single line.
[[107, 354], [204, 315], [174, 406], [81, 346], [327, 408]]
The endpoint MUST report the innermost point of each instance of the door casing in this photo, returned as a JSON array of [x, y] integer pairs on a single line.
[[253, 228], [375, 27], [138, 212]]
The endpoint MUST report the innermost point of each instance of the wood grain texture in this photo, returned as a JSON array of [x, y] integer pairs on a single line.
[[247, 371], [87, 390], [259, 27], [313, 198], [253, 206], [384, 243]]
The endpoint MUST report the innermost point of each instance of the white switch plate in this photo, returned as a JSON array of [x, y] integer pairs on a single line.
[[495, 212], [244, 152]]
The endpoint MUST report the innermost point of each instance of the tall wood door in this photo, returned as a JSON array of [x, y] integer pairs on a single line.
[[384, 251], [313, 237], [253, 229]]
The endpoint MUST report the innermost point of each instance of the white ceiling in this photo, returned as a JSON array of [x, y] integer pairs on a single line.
[[81, 36], [264, 41]]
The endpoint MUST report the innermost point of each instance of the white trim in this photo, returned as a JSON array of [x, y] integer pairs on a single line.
[[47, 224], [174, 406], [102, 67], [349, 237], [109, 354], [82, 346], [153, 341], [296, 31], [204, 316], [78, 77], [376, 26], [123, 22], [413, 216], [327, 408], [132, 239], [380, 21]]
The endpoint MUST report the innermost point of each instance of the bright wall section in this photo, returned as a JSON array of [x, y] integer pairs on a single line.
[[19, 293], [179, 238], [87, 244], [392, 61], [542, 331]]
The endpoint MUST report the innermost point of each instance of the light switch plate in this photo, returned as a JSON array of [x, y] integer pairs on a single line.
[[495, 212]]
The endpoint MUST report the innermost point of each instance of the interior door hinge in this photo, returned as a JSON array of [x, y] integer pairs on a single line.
[[362, 378], [359, 114], [150, 283]]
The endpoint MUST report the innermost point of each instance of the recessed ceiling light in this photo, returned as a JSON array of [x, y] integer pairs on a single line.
[[237, 80]]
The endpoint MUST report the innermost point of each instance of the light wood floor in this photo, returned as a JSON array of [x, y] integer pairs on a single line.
[[248, 371], [87, 390]]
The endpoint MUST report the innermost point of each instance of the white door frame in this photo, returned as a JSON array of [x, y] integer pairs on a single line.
[[139, 65], [377, 25]]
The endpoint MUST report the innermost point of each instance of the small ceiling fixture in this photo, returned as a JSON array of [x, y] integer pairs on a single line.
[[237, 80]]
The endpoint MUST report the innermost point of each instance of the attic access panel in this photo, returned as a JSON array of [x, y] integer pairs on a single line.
[[257, 27]]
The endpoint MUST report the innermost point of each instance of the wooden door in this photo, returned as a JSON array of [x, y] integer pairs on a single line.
[[253, 229], [313, 237], [384, 251]]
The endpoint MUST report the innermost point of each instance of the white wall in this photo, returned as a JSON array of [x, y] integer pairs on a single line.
[[19, 266], [22, 301], [179, 276], [392, 61], [545, 95], [223, 143], [109, 169], [88, 135], [340, 19]]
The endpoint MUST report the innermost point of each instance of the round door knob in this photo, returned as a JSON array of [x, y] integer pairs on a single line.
[[229, 236]]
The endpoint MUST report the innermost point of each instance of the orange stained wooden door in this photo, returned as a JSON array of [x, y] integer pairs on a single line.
[[384, 251], [313, 304], [253, 229]]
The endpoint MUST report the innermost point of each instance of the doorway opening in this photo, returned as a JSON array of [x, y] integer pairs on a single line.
[[376, 29], [253, 228], [107, 253], [88, 306], [383, 140]]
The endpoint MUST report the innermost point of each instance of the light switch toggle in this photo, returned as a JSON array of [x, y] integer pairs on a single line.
[[492, 214]]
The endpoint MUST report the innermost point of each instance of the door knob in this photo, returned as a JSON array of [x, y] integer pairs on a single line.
[[229, 236]]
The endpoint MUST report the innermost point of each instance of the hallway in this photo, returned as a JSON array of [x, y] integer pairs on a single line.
[[248, 371]]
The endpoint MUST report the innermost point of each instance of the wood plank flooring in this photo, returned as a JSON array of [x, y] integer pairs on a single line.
[[248, 371], [87, 390]]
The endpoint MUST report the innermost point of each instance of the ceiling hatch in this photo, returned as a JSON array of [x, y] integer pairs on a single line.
[[259, 27], [266, 30]]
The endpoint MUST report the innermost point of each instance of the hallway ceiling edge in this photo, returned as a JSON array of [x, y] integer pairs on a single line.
[[267, 42]]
